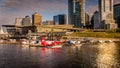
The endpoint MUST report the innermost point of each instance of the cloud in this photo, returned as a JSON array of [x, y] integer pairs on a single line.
[[19, 8], [11, 9], [92, 5], [117, 2], [92, 9], [26, 5]]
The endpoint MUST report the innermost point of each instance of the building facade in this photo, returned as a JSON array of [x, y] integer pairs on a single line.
[[27, 21], [18, 21], [37, 19], [82, 11], [117, 14], [96, 20], [48, 22], [59, 19], [76, 13], [87, 19], [106, 14], [116, 10], [71, 12]]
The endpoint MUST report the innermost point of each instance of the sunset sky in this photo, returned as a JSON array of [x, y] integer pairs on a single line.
[[11, 9]]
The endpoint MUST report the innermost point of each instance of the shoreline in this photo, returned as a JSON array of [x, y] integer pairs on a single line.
[[70, 37]]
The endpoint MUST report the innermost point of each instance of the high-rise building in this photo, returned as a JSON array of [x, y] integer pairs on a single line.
[[77, 15], [117, 14], [37, 19], [96, 20], [82, 11], [106, 14], [71, 12], [76, 12], [59, 19], [116, 10], [27, 21], [88, 21]]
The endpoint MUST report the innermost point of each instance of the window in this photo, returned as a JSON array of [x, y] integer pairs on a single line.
[[111, 5], [104, 5]]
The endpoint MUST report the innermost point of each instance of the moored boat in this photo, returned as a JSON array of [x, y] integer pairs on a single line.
[[46, 43], [57, 46], [24, 42]]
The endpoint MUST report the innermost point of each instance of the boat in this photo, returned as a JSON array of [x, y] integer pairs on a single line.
[[46, 43], [48, 39], [57, 46], [108, 41], [24, 42], [1, 41], [73, 43]]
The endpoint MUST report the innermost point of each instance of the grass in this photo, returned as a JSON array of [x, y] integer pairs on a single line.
[[97, 34]]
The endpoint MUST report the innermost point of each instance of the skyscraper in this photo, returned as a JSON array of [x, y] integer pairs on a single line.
[[116, 10], [117, 14], [106, 14], [76, 12], [70, 12], [96, 17], [82, 11], [77, 15], [37, 19], [87, 19]]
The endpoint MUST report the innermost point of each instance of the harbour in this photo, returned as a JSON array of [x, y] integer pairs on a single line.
[[60, 34], [105, 55]]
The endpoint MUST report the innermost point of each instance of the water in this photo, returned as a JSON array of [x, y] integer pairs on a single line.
[[105, 55]]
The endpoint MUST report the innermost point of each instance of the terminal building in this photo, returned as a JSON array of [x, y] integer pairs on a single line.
[[21, 27], [24, 27]]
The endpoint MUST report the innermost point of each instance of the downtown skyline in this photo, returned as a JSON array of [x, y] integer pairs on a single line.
[[11, 9]]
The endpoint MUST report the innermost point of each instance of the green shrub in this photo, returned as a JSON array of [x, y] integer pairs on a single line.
[[97, 34], [111, 31]]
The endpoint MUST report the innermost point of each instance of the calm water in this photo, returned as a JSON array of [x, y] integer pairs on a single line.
[[105, 55]]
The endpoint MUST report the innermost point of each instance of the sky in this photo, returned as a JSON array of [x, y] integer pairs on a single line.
[[11, 9]]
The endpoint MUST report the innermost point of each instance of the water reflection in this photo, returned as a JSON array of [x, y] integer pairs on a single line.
[[107, 55], [104, 55]]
